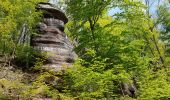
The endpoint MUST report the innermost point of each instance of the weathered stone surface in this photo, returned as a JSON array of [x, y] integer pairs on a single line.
[[52, 39], [52, 11]]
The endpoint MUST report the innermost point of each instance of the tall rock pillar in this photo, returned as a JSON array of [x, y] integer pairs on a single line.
[[52, 39]]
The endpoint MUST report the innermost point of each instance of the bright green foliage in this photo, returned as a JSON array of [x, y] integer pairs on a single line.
[[87, 83], [17, 18], [122, 49], [164, 24], [163, 18], [155, 86], [113, 50]]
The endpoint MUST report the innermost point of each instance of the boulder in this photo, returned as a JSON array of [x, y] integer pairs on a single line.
[[52, 39]]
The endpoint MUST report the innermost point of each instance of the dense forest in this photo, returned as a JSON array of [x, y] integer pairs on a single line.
[[123, 55]]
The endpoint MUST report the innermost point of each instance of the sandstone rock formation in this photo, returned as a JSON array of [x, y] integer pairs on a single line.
[[52, 39]]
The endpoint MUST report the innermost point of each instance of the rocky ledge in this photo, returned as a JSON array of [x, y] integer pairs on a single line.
[[52, 39]]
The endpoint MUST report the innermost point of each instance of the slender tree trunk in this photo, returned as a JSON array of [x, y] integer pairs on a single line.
[[158, 50]]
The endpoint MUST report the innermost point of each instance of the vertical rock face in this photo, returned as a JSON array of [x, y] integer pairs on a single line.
[[52, 39]]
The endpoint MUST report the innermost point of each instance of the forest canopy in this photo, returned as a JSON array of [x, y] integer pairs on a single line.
[[123, 56]]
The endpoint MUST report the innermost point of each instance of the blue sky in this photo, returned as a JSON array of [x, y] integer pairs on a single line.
[[153, 8], [153, 4]]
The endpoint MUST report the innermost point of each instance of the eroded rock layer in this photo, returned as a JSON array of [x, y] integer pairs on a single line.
[[52, 39]]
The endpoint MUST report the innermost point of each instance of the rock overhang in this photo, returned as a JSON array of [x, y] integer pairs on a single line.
[[50, 10]]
